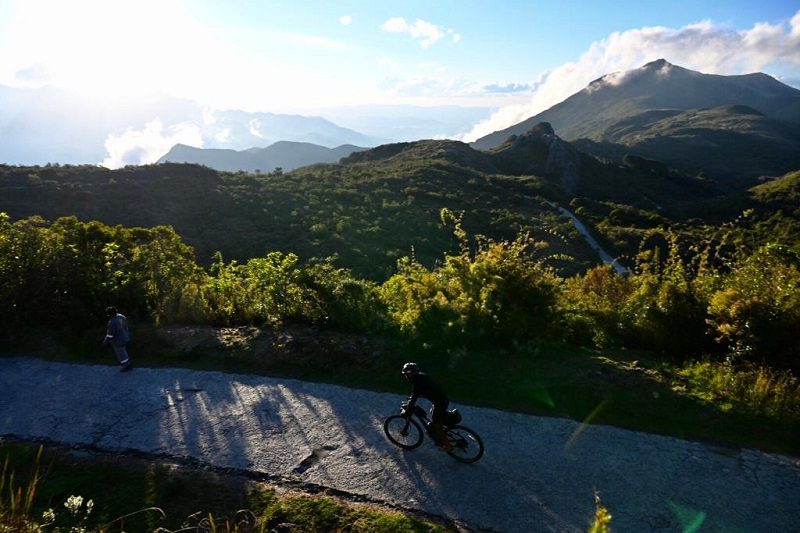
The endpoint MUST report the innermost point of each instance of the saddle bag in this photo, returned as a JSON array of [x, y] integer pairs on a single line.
[[452, 417]]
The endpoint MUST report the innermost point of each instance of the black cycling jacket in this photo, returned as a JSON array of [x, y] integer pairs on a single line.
[[427, 388]]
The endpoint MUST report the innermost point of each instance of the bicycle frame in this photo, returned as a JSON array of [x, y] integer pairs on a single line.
[[421, 414]]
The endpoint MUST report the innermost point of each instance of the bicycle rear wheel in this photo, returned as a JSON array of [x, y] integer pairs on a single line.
[[465, 445], [403, 432]]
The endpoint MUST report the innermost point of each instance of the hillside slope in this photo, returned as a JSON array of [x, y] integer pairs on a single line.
[[657, 85], [377, 205], [731, 144], [367, 215], [286, 155]]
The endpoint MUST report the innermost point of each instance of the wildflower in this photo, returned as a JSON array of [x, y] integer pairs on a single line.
[[48, 517], [73, 504]]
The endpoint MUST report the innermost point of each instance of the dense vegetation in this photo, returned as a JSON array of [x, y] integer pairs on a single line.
[[366, 215], [432, 246], [724, 298], [374, 208], [381, 242], [450, 259]]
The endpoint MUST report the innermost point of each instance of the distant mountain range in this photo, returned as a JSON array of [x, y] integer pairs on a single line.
[[53, 125], [285, 155], [242, 130], [735, 127], [406, 122], [731, 129]]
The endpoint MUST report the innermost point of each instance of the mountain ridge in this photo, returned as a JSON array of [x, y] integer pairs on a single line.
[[286, 155], [656, 85], [734, 144]]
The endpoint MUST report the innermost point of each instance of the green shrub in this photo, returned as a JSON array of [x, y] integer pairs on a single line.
[[339, 299], [666, 293], [669, 296], [756, 314], [265, 290], [498, 293], [593, 306], [64, 274], [752, 390]]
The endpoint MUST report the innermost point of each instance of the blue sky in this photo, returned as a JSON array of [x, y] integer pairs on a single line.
[[286, 56]]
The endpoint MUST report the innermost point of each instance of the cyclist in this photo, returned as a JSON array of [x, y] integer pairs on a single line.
[[425, 387]]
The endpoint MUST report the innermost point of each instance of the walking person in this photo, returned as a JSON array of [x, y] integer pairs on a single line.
[[118, 336]]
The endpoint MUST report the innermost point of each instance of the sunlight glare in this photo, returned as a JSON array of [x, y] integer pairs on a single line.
[[100, 48]]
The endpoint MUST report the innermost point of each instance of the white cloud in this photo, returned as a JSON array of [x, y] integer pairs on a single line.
[[208, 116], [387, 62], [425, 33], [705, 47], [255, 130], [147, 145], [345, 20], [224, 136], [395, 25], [439, 90], [455, 37], [424, 86], [795, 24]]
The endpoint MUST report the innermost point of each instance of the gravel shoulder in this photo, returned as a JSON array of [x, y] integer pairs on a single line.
[[538, 474]]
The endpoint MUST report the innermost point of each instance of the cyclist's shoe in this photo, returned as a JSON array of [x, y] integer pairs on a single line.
[[126, 368]]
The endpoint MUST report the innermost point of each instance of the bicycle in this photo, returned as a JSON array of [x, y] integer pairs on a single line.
[[402, 430]]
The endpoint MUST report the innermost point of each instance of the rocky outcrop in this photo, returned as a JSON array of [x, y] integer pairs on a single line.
[[541, 152]]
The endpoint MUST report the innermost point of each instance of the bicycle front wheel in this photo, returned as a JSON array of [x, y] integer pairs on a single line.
[[403, 432], [465, 445]]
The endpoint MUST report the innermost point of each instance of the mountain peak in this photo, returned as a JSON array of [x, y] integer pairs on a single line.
[[657, 85], [657, 64], [542, 128]]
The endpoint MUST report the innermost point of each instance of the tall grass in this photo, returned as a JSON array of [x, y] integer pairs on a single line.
[[270, 510], [602, 518], [16, 502], [752, 390]]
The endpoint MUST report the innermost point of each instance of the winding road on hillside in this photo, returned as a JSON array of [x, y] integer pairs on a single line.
[[538, 474], [591, 241]]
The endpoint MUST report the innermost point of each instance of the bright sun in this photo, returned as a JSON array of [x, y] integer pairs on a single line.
[[101, 47]]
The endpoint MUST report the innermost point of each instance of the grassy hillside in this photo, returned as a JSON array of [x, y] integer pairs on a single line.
[[382, 204], [732, 145], [781, 193], [366, 214]]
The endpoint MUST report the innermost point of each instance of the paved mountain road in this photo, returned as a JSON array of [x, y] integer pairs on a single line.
[[538, 474]]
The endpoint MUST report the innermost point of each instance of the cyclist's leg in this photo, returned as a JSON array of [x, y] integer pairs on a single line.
[[436, 425]]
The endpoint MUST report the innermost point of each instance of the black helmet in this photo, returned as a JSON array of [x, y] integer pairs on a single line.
[[111, 311], [410, 368]]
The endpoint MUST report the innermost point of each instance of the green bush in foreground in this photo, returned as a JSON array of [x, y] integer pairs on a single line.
[[756, 315], [498, 293], [680, 301]]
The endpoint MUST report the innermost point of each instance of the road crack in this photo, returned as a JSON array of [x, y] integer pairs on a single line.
[[313, 458]]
